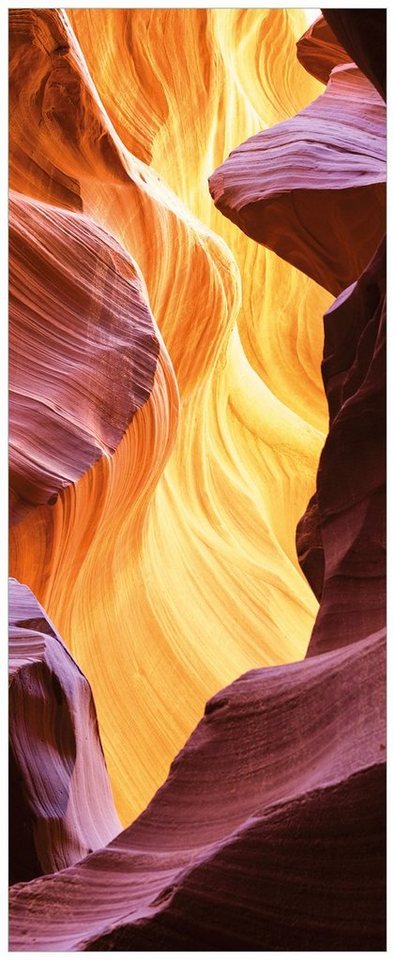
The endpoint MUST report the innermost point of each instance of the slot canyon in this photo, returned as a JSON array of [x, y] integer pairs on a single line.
[[197, 452]]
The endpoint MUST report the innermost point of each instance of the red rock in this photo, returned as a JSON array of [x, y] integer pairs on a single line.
[[55, 140], [319, 51], [352, 469], [61, 806], [268, 833], [309, 547], [363, 34]]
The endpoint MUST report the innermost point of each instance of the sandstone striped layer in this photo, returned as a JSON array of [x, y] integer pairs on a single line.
[[83, 349], [170, 565], [241, 848], [312, 188], [61, 806]]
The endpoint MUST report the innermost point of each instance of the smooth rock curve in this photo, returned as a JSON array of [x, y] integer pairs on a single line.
[[218, 859], [61, 806]]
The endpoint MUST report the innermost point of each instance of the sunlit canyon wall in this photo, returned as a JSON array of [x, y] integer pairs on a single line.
[[169, 528]]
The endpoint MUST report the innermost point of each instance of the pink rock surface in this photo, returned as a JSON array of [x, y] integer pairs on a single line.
[[61, 806], [312, 188], [242, 846], [83, 349]]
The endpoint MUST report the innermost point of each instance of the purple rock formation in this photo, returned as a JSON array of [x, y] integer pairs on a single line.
[[352, 468], [321, 209], [268, 833], [83, 349], [61, 807], [312, 188]]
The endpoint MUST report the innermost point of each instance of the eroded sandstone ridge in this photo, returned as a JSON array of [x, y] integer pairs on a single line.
[[168, 560], [268, 833], [317, 193], [61, 806], [74, 290]]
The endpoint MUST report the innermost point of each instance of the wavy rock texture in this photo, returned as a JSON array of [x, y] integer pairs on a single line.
[[176, 577], [246, 828], [339, 144], [61, 806], [83, 349], [317, 195], [341, 538], [241, 65], [269, 831]]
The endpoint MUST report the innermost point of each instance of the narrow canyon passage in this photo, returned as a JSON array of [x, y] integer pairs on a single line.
[[197, 601], [169, 580]]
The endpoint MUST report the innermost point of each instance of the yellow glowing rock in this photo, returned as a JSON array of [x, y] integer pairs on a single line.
[[170, 568]]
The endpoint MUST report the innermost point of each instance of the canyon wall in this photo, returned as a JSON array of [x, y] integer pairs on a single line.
[[198, 478]]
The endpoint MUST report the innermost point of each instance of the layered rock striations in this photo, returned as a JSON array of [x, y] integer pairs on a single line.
[[351, 514], [83, 349], [241, 848], [170, 564], [319, 50], [61, 806], [333, 170], [57, 131], [317, 188], [242, 65]]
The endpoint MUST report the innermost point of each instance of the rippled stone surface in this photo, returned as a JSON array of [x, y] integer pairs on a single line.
[[321, 208], [61, 807], [312, 188], [241, 847], [83, 349], [170, 564], [168, 567]]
